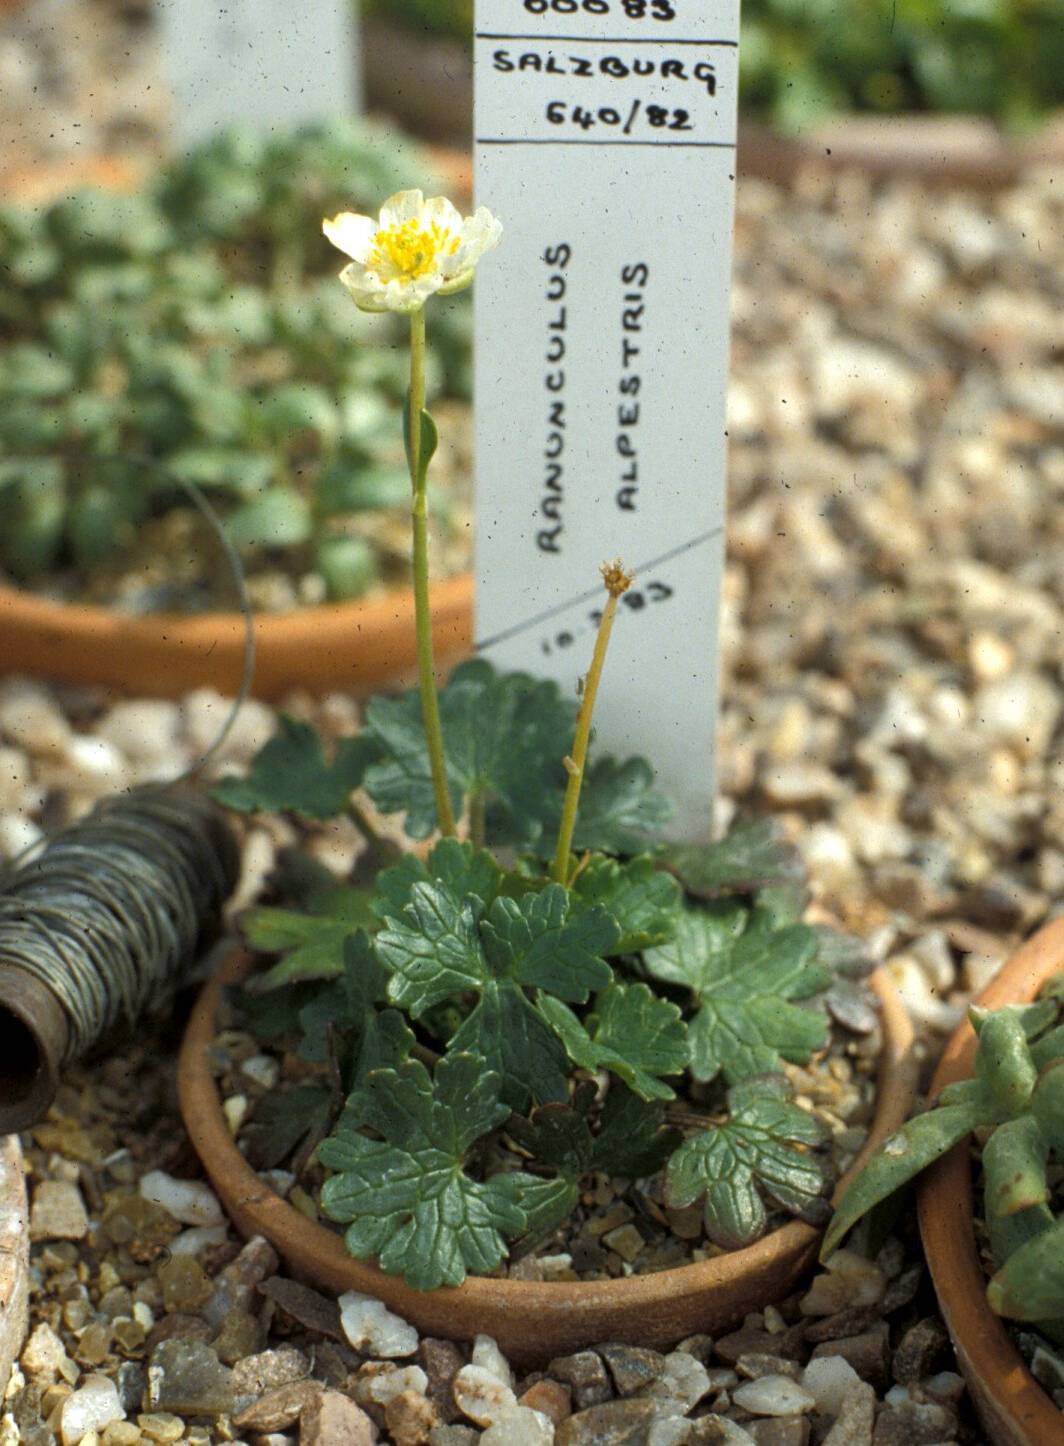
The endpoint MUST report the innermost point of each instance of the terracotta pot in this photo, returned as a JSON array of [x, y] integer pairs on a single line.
[[1011, 1404], [532, 1321], [346, 647], [14, 1255]]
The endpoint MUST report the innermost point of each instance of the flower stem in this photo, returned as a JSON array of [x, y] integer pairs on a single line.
[[430, 706], [617, 582]]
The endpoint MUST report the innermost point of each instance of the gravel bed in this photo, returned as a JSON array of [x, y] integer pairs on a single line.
[[894, 646]]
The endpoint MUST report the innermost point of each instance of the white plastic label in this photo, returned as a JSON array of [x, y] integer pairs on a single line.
[[605, 142], [258, 63]]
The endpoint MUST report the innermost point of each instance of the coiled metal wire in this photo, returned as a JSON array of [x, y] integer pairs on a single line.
[[110, 910]]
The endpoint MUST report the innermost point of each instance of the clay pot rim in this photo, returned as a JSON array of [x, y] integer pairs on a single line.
[[266, 1213], [326, 646], [1011, 1402]]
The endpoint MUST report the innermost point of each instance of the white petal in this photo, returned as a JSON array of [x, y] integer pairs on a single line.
[[403, 206], [352, 234], [365, 287], [480, 233], [440, 212]]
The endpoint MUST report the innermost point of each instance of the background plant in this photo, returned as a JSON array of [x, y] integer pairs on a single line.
[[801, 61], [1015, 1103], [196, 325]]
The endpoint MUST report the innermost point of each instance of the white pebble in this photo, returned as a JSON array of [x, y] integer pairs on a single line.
[[669, 1431], [261, 1070], [383, 1386], [480, 1395], [520, 1427], [15, 779], [847, 1280], [773, 1396], [44, 1354], [198, 1238], [143, 730], [486, 1353], [32, 719], [94, 763], [205, 714], [95, 1404], [370, 1326], [920, 997], [17, 834], [192, 1202], [683, 1379], [946, 1386], [828, 1379]]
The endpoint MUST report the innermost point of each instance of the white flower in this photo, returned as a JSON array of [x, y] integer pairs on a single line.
[[416, 249]]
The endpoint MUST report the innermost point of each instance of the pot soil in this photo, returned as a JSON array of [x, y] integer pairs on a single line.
[[350, 647], [532, 1321], [1012, 1405]]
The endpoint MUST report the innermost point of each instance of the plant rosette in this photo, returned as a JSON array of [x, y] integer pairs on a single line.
[[996, 1253], [550, 1023], [190, 335], [755, 1170]]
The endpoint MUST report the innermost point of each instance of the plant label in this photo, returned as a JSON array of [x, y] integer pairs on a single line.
[[605, 143], [257, 63]]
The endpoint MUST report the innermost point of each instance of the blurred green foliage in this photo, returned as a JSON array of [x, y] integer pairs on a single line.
[[195, 330], [803, 59]]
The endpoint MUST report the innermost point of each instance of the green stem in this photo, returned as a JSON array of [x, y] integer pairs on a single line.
[[430, 706], [477, 820], [575, 763], [382, 848]]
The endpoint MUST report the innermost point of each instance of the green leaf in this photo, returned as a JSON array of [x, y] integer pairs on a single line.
[[631, 1140], [349, 566], [1003, 1060], [31, 371], [758, 1149], [282, 1121], [461, 867], [505, 1030], [229, 470], [433, 950], [1030, 1285], [407, 1195], [539, 942], [1014, 1164], [619, 811], [558, 1135], [643, 901], [544, 1203], [752, 855], [290, 774], [352, 486], [297, 407], [313, 944], [504, 737], [441, 945], [743, 982], [631, 1032], [899, 1160], [429, 441], [280, 517]]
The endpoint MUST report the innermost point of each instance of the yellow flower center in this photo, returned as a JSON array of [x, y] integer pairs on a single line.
[[410, 250]]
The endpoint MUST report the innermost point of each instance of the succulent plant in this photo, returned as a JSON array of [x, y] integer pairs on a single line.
[[1015, 1106], [193, 333]]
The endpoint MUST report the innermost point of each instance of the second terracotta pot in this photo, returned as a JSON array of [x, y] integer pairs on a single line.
[[532, 1321], [343, 647], [1011, 1404]]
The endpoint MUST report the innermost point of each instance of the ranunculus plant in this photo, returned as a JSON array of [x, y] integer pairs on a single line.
[[550, 993]]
